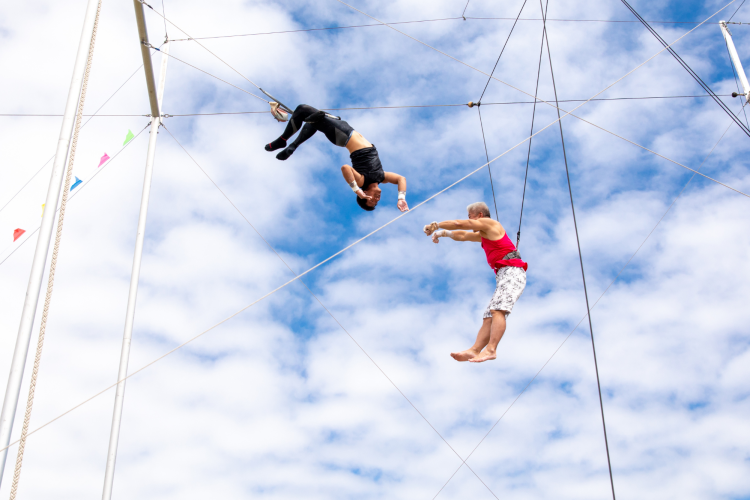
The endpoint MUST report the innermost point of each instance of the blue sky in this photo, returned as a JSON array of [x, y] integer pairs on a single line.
[[279, 402]]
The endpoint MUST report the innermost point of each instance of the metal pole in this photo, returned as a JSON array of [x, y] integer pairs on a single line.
[[109, 473], [12, 392], [735, 59]]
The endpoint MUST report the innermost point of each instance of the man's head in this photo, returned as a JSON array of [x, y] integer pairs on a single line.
[[478, 210], [373, 190]]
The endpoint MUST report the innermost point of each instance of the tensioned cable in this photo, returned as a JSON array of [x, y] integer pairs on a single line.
[[428, 21], [501, 52], [85, 123], [528, 384], [53, 260], [735, 12], [528, 155], [392, 107], [323, 306], [567, 113], [78, 190], [489, 169], [339, 253], [580, 254], [687, 68], [524, 92]]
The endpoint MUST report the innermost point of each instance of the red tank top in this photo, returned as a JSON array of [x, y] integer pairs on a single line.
[[498, 249]]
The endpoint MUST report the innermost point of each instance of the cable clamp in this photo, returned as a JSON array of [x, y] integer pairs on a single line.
[[472, 104], [166, 116], [735, 94]]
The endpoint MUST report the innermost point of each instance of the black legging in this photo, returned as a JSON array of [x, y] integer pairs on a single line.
[[336, 130]]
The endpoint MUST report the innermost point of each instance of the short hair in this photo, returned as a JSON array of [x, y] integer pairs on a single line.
[[363, 204], [479, 207]]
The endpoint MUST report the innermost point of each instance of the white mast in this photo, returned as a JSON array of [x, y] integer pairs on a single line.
[[155, 99], [12, 392], [735, 60]]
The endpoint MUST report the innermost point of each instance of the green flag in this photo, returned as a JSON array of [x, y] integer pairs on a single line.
[[128, 137]]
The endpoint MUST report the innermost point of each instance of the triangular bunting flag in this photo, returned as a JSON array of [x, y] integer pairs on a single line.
[[128, 137], [17, 233], [75, 184], [106, 157]]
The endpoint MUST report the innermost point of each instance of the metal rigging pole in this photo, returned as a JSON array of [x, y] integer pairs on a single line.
[[736, 61], [12, 392], [155, 98]]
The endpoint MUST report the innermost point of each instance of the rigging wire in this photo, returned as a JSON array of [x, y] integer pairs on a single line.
[[78, 190], [528, 384], [580, 256], [84, 124], [429, 21], [736, 81], [323, 305], [489, 168], [479, 103], [687, 68], [463, 14], [531, 132]]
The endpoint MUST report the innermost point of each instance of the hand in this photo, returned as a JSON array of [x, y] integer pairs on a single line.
[[403, 206], [430, 228], [275, 112], [363, 195], [435, 237]]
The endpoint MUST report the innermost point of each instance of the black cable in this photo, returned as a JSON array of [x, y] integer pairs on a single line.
[[501, 51], [580, 257], [531, 133], [463, 14], [736, 82], [692, 73], [489, 167], [738, 8]]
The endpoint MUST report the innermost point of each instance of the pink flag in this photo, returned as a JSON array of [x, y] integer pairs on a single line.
[[17, 233], [104, 159]]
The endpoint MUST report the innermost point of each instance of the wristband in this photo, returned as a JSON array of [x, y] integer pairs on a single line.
[[354, 186], [444, 233], [402, 195]]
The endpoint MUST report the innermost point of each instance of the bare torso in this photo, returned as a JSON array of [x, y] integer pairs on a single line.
[[357, 142]]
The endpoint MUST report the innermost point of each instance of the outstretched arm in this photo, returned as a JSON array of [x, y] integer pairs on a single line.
[[355, 181], [399, 180], [468, 224], [456, 235]]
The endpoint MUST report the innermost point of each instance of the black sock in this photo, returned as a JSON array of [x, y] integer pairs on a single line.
[[277, 144], [287, 152]]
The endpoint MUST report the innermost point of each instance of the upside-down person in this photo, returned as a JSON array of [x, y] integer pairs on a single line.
[[365, 173], [510, 274]]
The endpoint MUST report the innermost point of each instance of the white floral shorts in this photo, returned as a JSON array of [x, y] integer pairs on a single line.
[[510, 284]]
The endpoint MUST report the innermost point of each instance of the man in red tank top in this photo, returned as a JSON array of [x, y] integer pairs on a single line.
[[510, 275]]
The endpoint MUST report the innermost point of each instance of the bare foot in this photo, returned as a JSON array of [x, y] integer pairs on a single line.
[[484, 356], [464, 355]]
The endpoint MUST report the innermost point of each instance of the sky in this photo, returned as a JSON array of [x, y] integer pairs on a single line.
[[340, 385]]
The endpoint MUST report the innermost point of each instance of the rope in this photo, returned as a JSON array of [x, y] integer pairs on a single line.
[[580, 257], [585, 316], [463, 14], [333, 257], [53, 264], [489, 168], [685, 65], [323, 306], [528, 155], [735, 12]]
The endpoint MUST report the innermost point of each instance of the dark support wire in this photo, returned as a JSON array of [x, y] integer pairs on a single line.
[[479, 103], [692, 73], [531, 133], [580, 256], [735, 12], [489, 167]]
